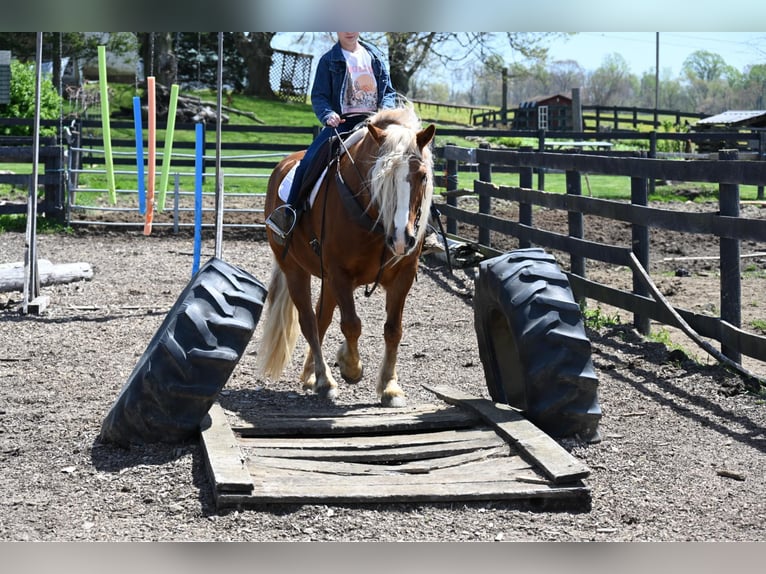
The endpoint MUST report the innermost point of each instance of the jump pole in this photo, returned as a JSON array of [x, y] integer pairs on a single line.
[[32, 300], [108, 161], [151, 98], [218, 172], [199, 161], [139, 154], [166, 156]]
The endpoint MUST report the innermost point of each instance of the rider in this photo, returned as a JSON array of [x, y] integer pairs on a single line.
[[351, 82]]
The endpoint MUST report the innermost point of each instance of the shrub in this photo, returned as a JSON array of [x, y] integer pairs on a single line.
[[22, 104]]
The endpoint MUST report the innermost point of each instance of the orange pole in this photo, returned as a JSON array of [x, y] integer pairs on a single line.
[[151, 163]]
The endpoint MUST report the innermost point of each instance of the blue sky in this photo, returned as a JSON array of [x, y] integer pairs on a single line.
[[738, 49]]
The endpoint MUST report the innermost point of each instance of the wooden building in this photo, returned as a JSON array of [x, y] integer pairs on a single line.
[[551, 113]]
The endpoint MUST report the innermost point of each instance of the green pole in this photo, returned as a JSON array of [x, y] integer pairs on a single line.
[[105, 125], [171, 124]]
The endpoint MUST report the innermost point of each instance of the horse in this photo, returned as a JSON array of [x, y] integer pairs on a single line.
[[366, 227]]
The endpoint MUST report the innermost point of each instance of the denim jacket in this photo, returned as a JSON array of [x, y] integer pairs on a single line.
[[331, 73]]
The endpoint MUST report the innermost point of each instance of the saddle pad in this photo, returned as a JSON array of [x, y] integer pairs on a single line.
[[287, 182]]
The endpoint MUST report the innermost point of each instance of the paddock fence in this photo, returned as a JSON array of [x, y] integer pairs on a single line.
[[728, 170], [249, 155]]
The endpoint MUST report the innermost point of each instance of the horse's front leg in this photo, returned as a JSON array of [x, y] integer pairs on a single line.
[[389, 391], [325, 308], [348, 358], [321, 380]]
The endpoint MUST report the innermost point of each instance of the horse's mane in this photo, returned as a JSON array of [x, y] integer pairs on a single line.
[[400, 145]]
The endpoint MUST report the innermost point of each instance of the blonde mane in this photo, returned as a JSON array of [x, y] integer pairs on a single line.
[[393, 164]]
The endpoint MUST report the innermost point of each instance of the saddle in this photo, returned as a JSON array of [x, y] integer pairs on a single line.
[[323, 158]]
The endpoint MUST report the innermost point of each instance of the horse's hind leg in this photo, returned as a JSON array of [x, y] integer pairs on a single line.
[[322, 380]]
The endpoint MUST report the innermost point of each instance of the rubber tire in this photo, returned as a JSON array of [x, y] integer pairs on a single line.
[[189, 359], [532, 343]]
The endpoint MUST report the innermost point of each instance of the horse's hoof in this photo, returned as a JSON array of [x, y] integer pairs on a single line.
[[393, 401], [327, 393], [353, 380]]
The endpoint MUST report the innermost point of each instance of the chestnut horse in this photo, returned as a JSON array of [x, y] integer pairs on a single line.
[[365, 227]]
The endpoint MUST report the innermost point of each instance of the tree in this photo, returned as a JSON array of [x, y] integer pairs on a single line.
[[255, 48], [612, 83], [198, 59], [408, 52], [23, 99], [156, 50], [74, 45], [705, 66]]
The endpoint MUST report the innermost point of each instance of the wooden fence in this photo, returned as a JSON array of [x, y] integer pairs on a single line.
[[598, 118], [728, 171], [18, 149]]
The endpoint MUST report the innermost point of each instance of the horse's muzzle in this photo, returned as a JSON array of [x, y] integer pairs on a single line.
[[401, 243]]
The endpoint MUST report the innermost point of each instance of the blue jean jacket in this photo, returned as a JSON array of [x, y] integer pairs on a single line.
[[331, 73], [325, 99]]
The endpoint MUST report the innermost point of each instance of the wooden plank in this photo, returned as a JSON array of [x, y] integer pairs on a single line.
[[359, 491], [223, 457], [554, 460], [255, 465], [371, 441], [391, 454], [344, 425]]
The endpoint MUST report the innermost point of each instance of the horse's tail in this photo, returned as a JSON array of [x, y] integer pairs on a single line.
[[280, 330]]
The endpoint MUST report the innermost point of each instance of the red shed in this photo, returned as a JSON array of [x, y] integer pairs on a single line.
[[551, 113]]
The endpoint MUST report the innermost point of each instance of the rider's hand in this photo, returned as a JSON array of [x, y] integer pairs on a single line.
[[333, 120]]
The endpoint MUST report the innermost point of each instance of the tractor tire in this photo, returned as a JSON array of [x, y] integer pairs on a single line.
[[189, 359], [532, 343]]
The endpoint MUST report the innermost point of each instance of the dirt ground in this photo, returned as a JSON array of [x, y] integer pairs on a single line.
[[682, 455]]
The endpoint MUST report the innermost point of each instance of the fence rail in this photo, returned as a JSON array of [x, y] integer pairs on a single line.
[[598, 118], [729, 171]]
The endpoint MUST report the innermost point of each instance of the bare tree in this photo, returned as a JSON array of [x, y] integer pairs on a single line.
[[408, 52]]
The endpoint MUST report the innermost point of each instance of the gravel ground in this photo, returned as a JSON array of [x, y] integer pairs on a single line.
[[681, 457]]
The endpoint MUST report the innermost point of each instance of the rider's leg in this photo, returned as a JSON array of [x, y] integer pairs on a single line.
[[283, 218]]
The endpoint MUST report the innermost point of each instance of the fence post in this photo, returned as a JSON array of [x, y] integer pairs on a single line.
[[451, 176], [652, 154], [761, 157], [731, 312], [54, 191], [485, 201], [541, 170], [525, 209], [575, 221], [639, 195]]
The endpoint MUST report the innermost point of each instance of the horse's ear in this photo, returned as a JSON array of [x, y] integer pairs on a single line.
[[376, 133], [425, 136]]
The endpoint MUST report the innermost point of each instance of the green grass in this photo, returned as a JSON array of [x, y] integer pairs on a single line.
[[277, 113], [597, 319]]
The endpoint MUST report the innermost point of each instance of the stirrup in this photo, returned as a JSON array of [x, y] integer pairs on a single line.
[[281, 221]]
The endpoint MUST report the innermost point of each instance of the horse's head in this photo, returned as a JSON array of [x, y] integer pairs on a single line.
[[402, 177]]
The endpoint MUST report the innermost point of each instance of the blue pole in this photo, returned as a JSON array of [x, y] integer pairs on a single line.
[[198, 165], [139, 155]]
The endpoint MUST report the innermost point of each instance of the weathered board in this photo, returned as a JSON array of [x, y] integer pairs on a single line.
[[471, 450]]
